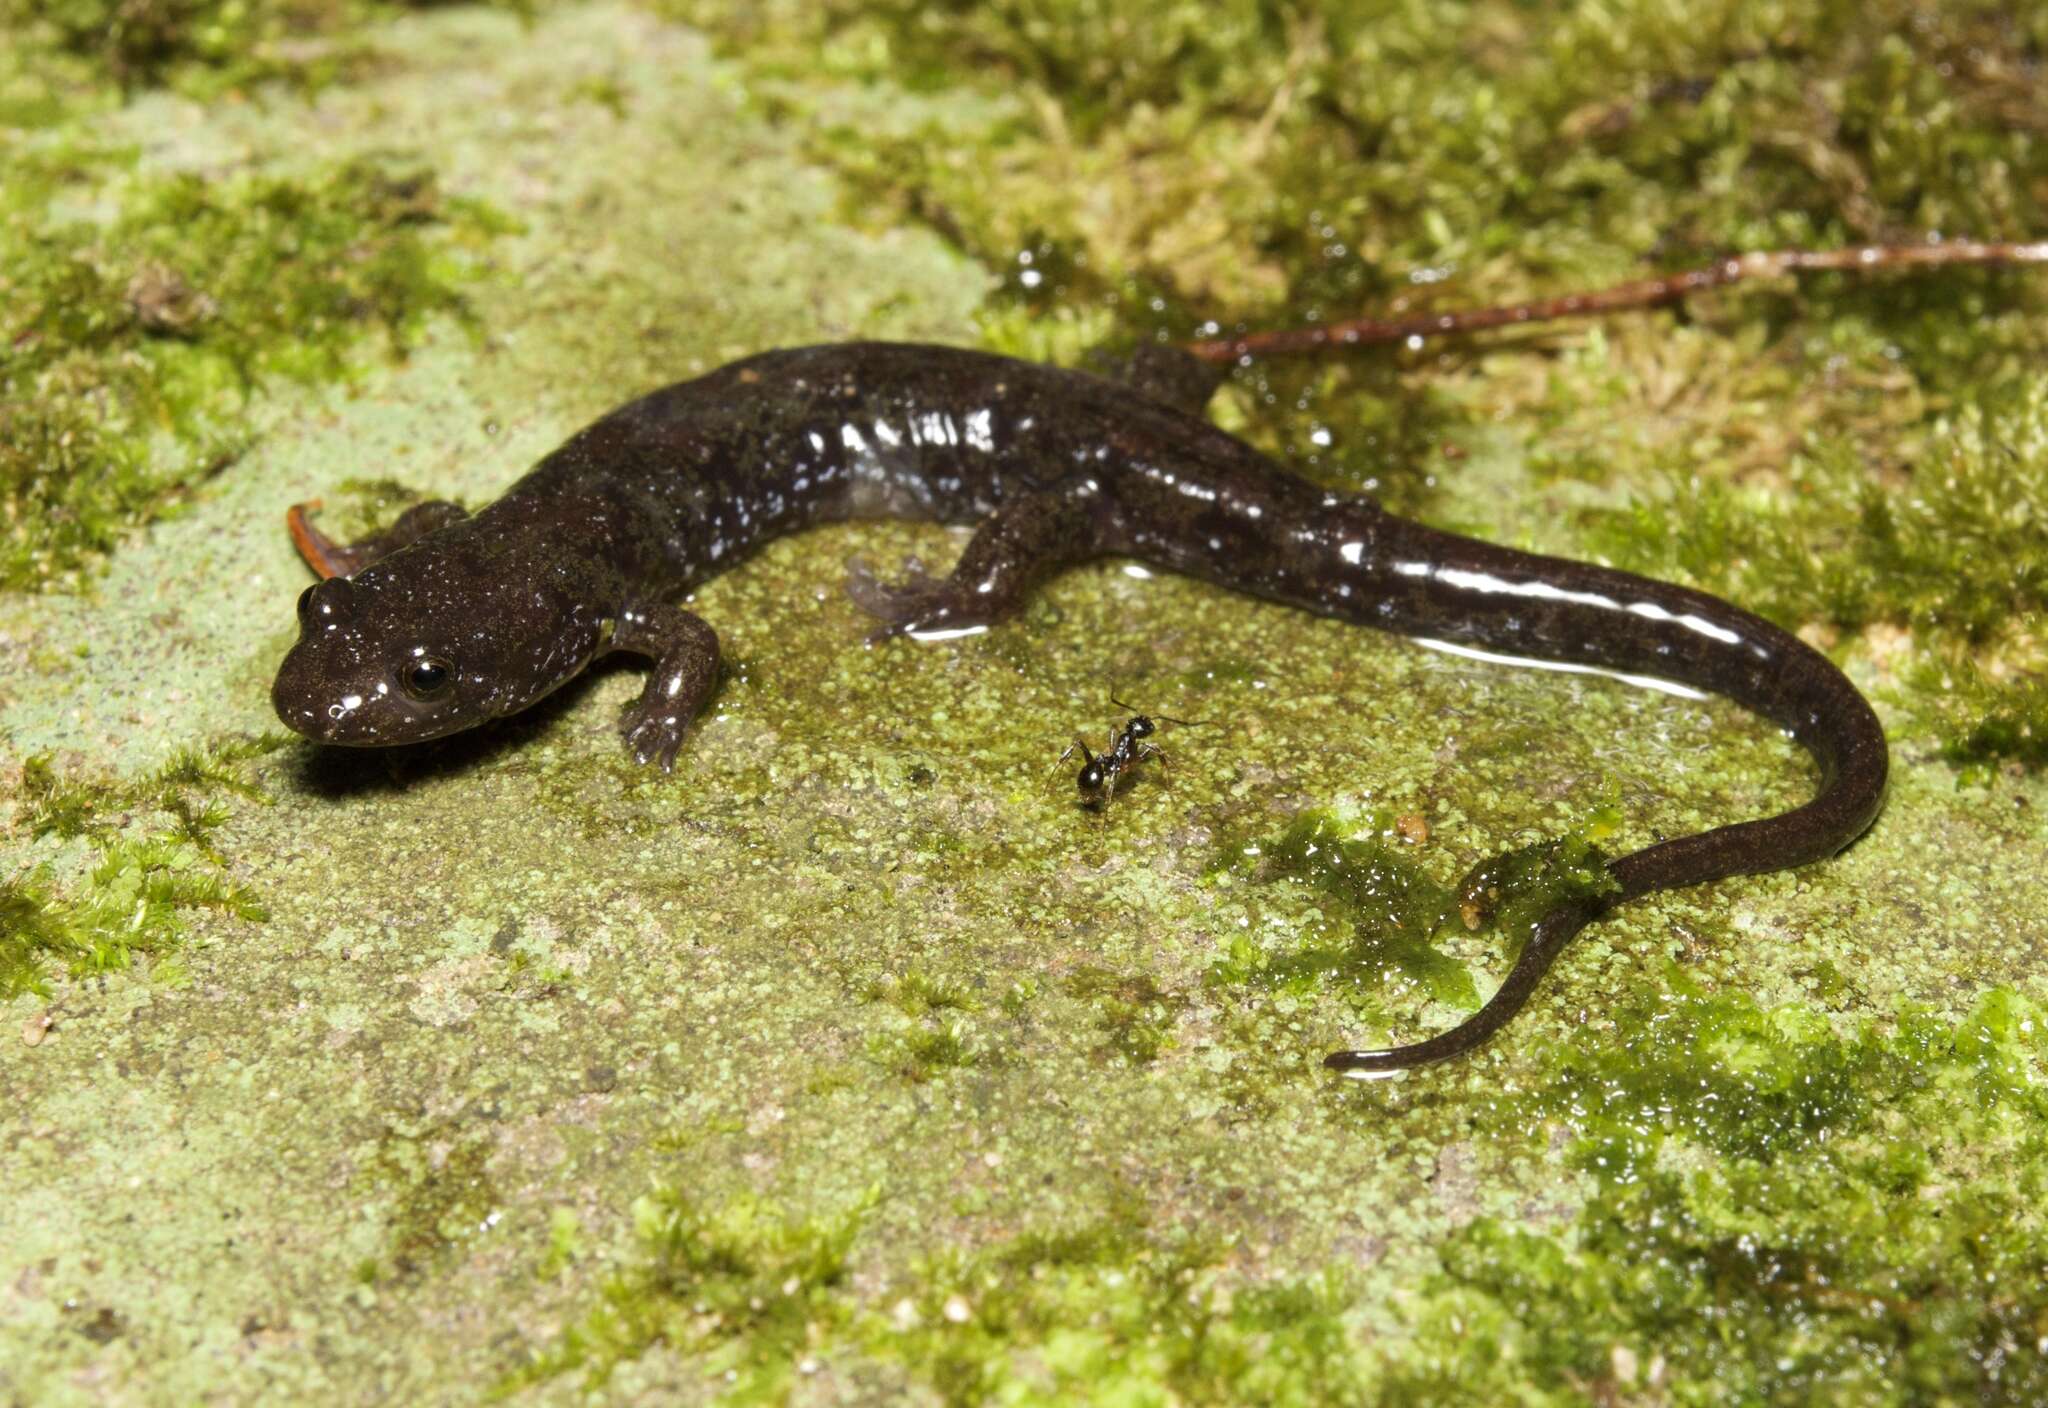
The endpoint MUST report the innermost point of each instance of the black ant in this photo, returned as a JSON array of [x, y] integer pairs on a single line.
[[1101, 772]]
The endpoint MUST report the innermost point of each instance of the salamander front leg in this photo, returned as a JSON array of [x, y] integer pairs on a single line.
[[1015, 548], [684, 649]]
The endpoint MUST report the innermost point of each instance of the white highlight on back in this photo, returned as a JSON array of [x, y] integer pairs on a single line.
[[1683, 691]]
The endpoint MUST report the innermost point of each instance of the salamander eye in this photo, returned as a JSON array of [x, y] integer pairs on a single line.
[[305, 604], [426, 677]]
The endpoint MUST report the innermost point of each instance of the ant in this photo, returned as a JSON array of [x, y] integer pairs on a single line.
[[1101, 772]]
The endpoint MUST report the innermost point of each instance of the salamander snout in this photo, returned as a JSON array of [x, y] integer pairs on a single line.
[[353, 679], [302, 696]]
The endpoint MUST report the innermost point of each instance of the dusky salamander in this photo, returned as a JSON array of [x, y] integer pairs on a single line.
[[446, 620]]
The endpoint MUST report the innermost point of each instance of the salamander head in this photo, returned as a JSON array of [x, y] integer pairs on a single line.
[[394, 656]]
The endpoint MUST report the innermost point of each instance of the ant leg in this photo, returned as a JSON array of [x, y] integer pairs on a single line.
[[1155, 754], [1016, 547], [1079, 745]]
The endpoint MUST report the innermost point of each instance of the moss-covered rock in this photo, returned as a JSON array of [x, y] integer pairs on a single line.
[[855, 1061]]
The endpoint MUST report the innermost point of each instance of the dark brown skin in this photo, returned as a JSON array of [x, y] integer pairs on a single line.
[[444, 622]]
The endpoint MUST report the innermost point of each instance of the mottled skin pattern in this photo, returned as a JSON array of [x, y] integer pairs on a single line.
[[447, 621]]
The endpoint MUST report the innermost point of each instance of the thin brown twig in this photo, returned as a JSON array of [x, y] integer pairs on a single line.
[[1639, 293]]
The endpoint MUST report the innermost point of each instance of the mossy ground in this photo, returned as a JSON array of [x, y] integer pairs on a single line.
[[855, 1061]]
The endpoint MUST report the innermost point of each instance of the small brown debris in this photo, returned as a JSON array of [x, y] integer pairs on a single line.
[[36, 1028], [104, 1327], [1414, 828], [164, 303]]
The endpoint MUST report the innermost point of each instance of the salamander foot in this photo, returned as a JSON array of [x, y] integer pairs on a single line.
[[916, 604]]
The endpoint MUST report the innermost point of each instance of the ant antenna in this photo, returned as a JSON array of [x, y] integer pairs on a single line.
[[1162, 718]]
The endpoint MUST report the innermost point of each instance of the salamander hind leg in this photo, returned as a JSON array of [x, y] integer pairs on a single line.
[[1169, 375], [1018, 546], [332, 559], [684, 649]]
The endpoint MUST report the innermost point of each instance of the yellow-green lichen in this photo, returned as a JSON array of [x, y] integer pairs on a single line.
[[435, 1189]]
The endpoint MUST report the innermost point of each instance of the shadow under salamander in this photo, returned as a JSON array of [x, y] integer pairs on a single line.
[[335, 774]]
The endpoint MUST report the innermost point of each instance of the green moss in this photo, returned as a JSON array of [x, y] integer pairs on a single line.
[[361, 507], [74, 806], [133, 901], [1135, 1015], [40, 89], [61, 808], [744, 1284], [1786, 1212], [1099, 1313], [831, 1079], [917, 993], [218, 766], [1382, 913], [34, 924], [565, 1243], [1514, 890], [134, 343], [937, 1034], [922, 1053], [1954, 551], [758, 1297], [1981, 721], [1250, 164], [1385, 918], [1957, 548], [156, 860], [1785, 1208], [208, 46], [1717, 1071]]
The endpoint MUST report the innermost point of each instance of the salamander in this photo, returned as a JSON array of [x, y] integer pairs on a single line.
[[447, 620]]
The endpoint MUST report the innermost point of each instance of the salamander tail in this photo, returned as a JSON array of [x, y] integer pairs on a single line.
[[1553, 931]]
